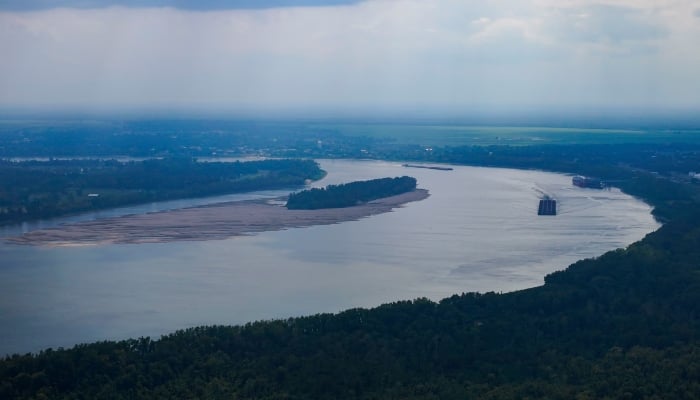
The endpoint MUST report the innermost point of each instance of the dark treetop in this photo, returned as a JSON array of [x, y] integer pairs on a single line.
[[350, 194]]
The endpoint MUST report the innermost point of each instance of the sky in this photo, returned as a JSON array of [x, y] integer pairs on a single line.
[[306, 55]]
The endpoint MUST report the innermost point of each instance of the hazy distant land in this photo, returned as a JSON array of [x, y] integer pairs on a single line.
[[210, 222]]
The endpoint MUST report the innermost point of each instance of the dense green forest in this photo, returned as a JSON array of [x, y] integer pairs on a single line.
[[42, 189], [350, 194]]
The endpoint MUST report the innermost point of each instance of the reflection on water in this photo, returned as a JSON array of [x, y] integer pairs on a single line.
[[479, 231]]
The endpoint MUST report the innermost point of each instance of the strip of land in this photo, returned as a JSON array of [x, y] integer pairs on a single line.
[[210, 222]]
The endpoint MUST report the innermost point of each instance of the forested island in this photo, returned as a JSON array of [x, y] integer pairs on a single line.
[[350, 194], [42, 189]]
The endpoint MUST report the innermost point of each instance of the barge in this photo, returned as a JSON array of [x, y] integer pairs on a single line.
[[587, 182], [427, 167], [548, 206]]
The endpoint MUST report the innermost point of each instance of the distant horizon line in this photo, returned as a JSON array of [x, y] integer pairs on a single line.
[[560, 117]]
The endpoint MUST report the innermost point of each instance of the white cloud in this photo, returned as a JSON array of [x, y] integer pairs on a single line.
[[606, 24], [376, 53], [490, 29]]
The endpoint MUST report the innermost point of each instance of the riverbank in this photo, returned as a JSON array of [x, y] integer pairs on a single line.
[[56, 188], [210, 222]]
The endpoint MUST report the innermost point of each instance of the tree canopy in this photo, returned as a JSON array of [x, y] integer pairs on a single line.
[[42, 189], [350, 194]]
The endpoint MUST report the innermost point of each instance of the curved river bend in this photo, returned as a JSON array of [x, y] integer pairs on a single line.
[[478, 231]]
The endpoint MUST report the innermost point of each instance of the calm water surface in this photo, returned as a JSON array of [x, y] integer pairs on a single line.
[[478, 231]]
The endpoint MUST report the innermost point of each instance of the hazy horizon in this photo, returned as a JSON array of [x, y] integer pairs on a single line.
[[583, 118]]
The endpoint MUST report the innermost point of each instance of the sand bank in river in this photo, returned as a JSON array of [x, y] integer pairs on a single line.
[[210, 222]]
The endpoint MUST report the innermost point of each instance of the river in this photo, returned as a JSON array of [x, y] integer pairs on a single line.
[[478, 231]]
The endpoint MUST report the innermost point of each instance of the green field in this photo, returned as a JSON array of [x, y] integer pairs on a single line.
[[460, 135]]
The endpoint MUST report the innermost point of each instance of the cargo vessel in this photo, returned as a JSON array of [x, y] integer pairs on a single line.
[[427, 167], [587, 182], [548, 206]]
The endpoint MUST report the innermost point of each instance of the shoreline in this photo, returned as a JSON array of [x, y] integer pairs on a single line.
[[208, 222]]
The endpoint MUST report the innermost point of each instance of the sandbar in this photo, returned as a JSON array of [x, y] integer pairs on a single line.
[[209, 222]]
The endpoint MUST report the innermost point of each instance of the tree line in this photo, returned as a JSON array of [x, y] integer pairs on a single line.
[[43, 189], [350, 194]]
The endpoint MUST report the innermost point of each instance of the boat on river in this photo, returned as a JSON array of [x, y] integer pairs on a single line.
[[548, 206], [587, 182], [428, 167]]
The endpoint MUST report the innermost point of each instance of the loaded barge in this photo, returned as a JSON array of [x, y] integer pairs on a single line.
[[548, 206], [587, 182], [427, 167]]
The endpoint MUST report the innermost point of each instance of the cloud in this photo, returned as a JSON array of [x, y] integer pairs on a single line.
[[508, 40], [379, 53], [607, 24], [697, 13], [199, 5]]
